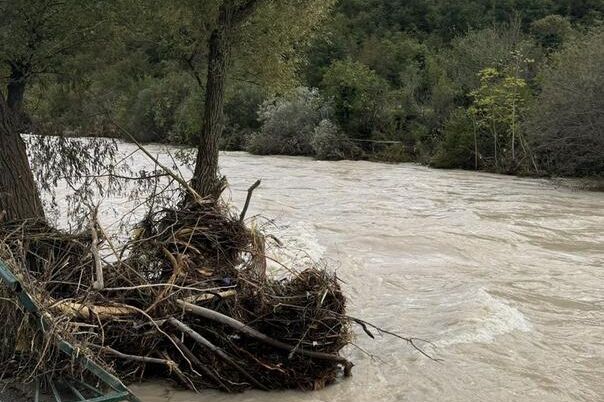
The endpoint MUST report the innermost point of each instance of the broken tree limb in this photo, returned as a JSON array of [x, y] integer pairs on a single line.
[[209, 296], [195, 360], [142, 359], [218, 351], [239, 326], [248, 199], [99, 283], [83, 311]]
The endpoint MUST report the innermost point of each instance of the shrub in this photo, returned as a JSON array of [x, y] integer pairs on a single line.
[[456, 149], [498, 106], [241, 114], [288, 124], [394, 153], [551, 31], [567, 123], [330, 143], [359, 96]]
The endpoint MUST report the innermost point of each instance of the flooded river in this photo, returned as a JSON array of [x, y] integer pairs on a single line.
[[504, 275]]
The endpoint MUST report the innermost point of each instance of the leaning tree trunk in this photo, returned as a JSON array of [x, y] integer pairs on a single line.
[[19, 196], [207, 180]]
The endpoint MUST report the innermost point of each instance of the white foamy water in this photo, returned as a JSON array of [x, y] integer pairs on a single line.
[[490, 318], [504, 275]]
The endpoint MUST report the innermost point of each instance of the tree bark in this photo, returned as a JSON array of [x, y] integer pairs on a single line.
[[16, 89], [207, 180], [19, 196]]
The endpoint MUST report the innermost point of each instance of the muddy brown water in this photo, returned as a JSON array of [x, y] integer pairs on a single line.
[[504, 275]]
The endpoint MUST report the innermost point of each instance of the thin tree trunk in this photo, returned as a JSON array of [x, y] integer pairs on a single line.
[[494, 130], [514, 130], [474, 124], [206, 180], [19, 197]]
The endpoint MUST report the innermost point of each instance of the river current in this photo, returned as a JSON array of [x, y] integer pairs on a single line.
[[504, 275]]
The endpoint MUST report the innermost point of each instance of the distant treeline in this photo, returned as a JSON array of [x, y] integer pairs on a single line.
[[514, 86]]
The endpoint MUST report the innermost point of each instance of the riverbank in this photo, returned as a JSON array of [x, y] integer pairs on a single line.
[[397, 156], [595, 184]]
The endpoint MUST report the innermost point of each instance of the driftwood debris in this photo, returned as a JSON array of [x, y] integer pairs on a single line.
[[188, 298]]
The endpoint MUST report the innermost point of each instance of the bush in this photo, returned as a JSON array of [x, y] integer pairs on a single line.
[[456, 150], [394, 153], [241, 114], [359, 96], [288, 124], [552, 31], [330, 143], [567, 124]]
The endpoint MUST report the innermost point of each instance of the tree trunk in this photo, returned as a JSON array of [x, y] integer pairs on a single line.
[[207, 180], [19, 197], [16, 90]]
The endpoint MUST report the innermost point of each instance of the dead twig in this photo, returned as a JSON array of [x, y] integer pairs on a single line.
[[233, 323], [219, 352], [248, 199]]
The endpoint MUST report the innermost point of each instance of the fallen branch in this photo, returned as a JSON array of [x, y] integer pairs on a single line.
[[99, 283], [204, 342], [191, 356], [411, 341], [142, 359], [209, 296], [248, 199], [238, 325], [84, 311]]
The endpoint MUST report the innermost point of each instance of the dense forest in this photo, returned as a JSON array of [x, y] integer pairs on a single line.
[[513, 86]]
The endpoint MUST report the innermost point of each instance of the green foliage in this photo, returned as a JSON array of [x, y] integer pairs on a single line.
[[330, 143], [288, 124], [490, 48], [498, 105], [241, 110], [39, 35], [394, 153], [266, 49], [163, 110], [457, 148], [444, 19], [359, 96], [552, 31], [416, 72], [567, 120]]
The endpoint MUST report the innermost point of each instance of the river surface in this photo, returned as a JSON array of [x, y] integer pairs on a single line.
[[504, 275]]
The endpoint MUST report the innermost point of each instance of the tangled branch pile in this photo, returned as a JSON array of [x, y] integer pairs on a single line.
[[187, 298]]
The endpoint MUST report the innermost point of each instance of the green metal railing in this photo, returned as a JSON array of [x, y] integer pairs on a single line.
[[118, 392]]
